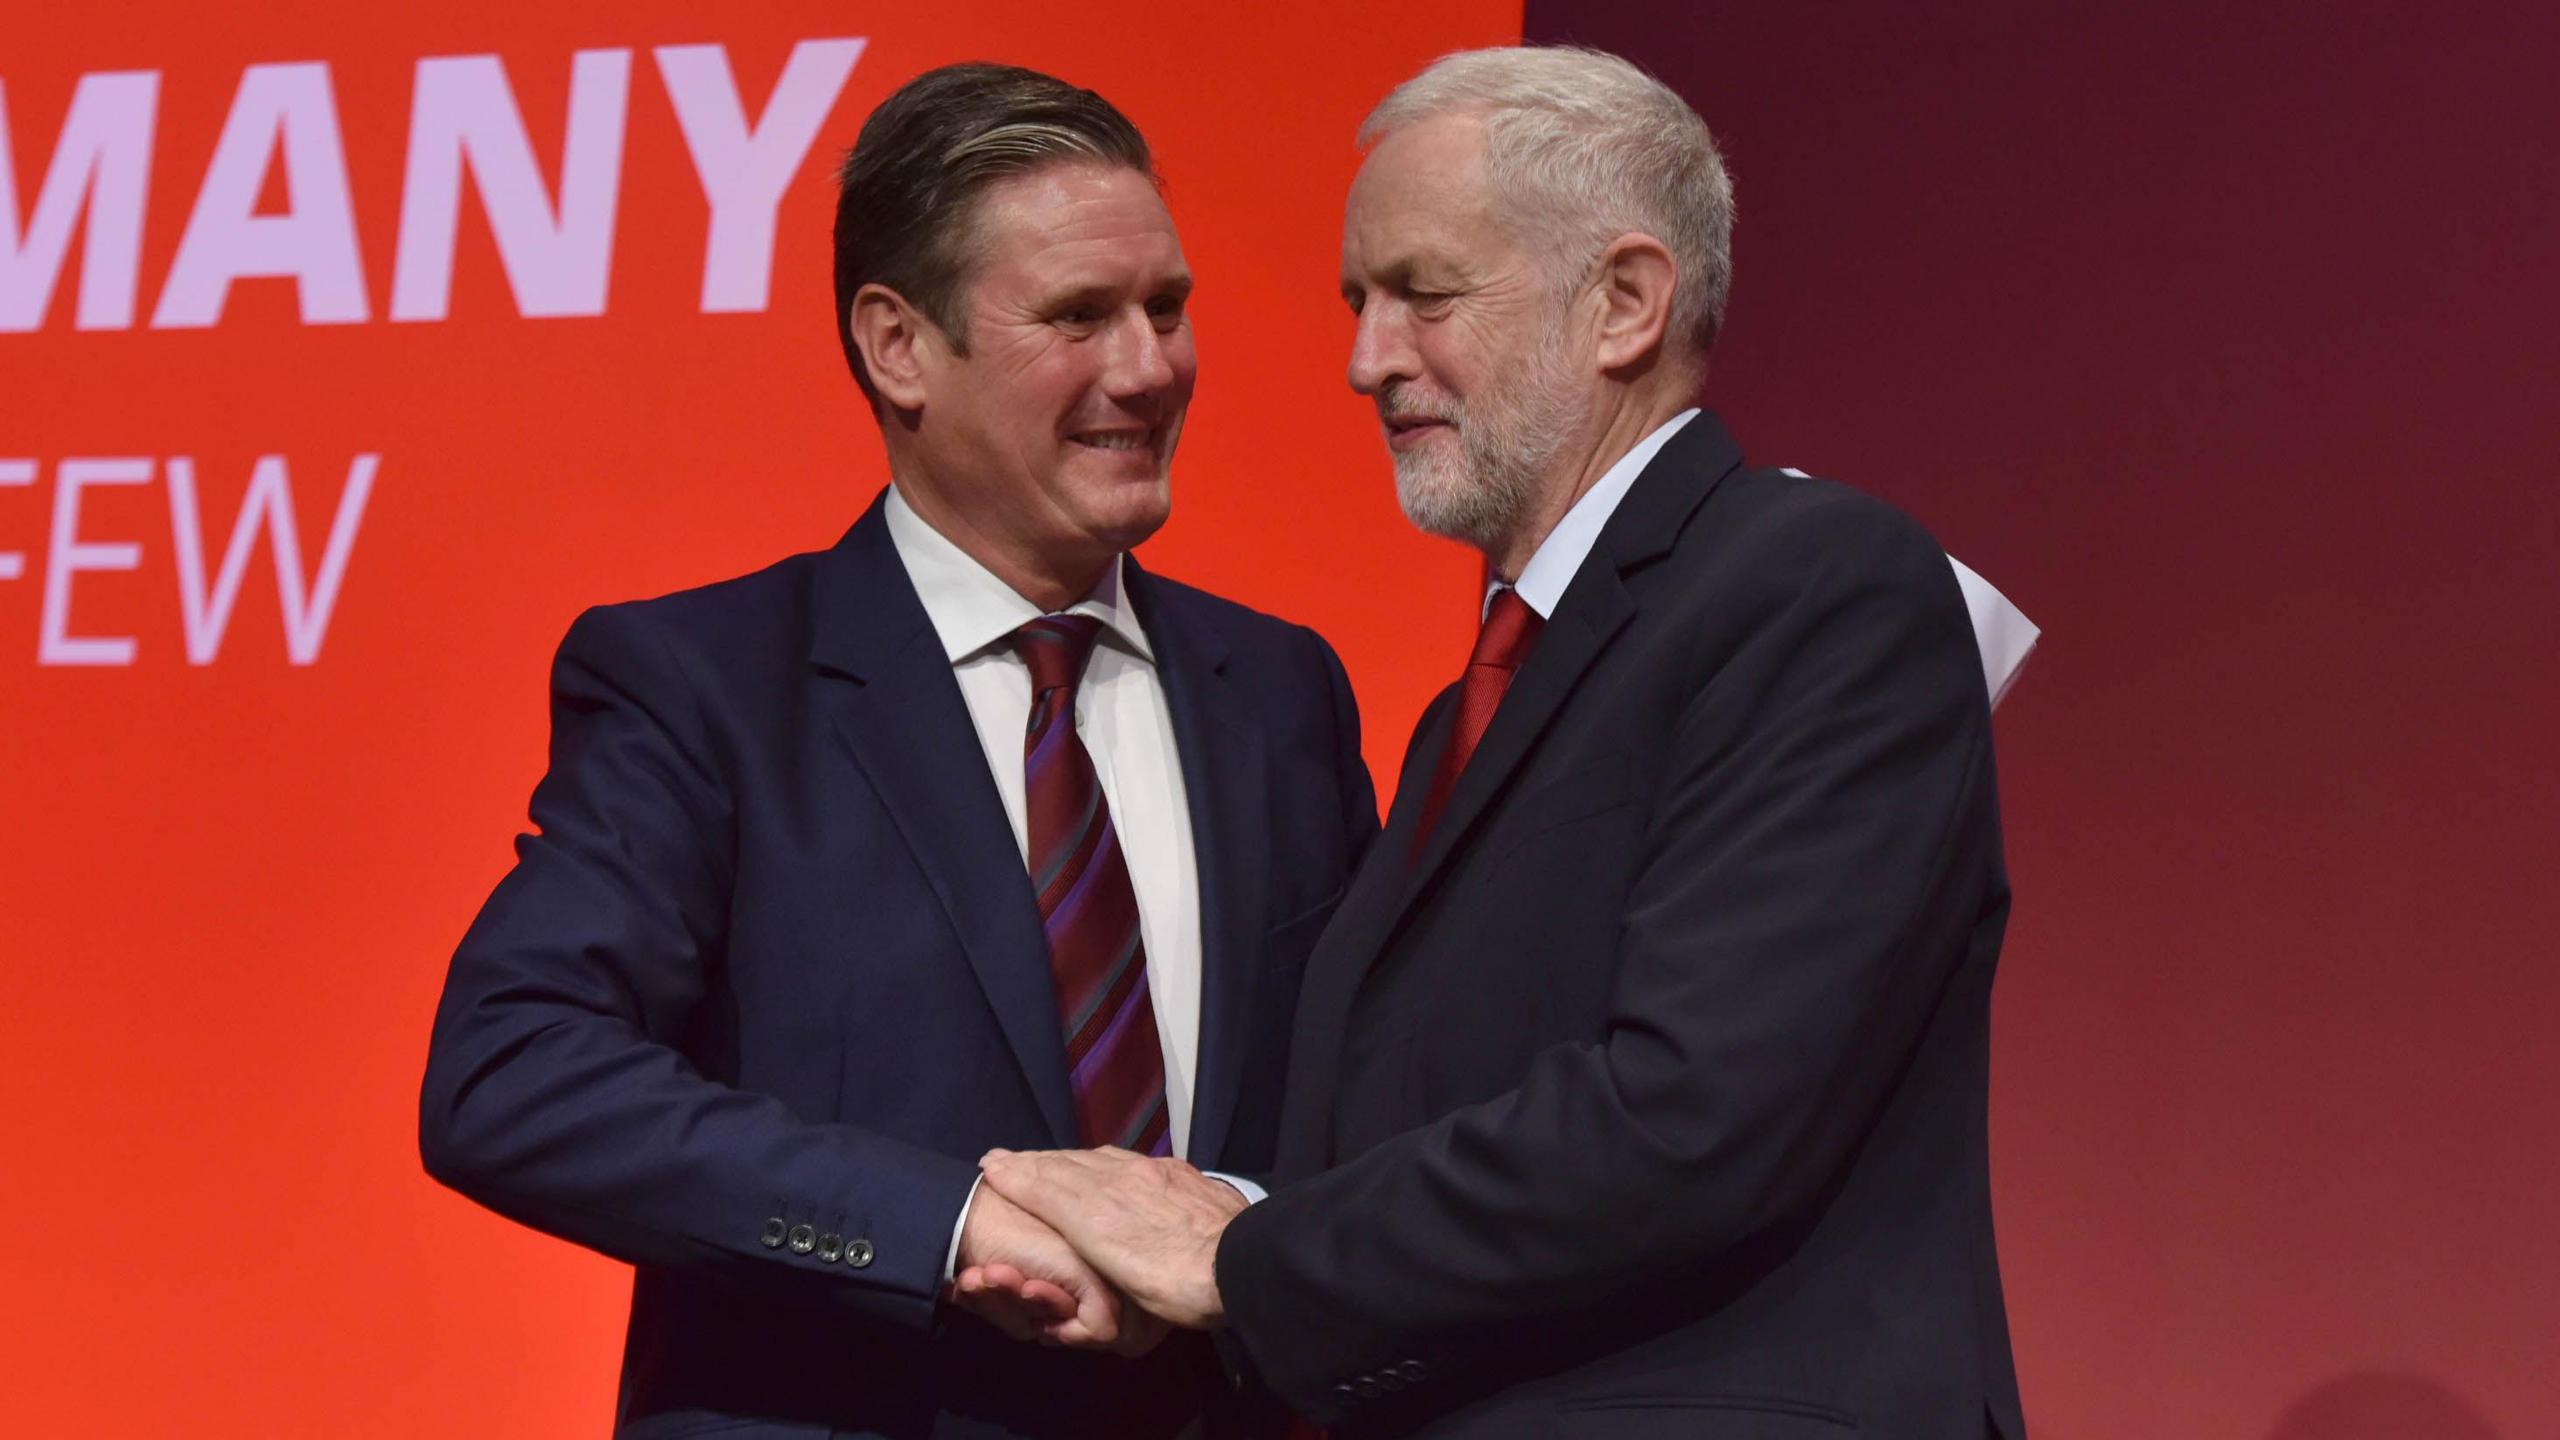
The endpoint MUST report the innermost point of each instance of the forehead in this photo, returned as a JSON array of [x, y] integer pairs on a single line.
[[1083, 221], [1421, 195]]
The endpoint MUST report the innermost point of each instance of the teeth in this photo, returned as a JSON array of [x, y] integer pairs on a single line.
[[1115, 441]]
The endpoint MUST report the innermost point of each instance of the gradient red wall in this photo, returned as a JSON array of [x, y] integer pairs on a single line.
[[2225, 340], [2222, 342], [228, 890]]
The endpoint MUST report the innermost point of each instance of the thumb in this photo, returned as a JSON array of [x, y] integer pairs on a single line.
[[1097, 1317]]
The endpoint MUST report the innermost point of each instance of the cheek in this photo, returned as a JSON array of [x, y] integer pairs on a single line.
[[1043, 378], [1447, 363]]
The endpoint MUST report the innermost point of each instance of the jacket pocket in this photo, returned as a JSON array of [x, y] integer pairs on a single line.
[[1707, 1417], [1287, 944], [1603, 782]]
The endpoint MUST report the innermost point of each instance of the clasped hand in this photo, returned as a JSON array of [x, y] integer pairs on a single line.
[[1098, 1249]]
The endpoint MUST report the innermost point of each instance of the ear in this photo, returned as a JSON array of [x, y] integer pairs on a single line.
[[1636, 277], [897, 343]]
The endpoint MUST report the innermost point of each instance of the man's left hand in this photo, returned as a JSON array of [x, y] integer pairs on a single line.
[[1150, 1226]]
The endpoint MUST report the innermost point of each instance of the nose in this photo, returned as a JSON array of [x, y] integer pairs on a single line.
[[1381, 347], [1139, 361]]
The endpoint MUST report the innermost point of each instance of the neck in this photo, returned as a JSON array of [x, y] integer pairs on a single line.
[[1052, 581], [1625, 416]]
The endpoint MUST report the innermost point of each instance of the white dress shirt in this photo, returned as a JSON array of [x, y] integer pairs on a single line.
[[2003, 634], [1127, 728]]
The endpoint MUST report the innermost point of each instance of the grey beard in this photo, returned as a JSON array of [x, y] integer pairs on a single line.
[[1508, 443]]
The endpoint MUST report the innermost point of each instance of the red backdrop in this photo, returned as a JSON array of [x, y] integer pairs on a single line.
[[227, 890], [2220, 343], [2224, 339]]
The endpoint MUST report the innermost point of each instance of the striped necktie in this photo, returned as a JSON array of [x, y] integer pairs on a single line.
[[1087, 906]]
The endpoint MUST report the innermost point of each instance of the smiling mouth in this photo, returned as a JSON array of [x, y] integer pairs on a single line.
[[1121, 440]]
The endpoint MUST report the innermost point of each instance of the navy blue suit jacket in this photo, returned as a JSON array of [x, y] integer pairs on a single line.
[[1650, 1098], [770, 978]]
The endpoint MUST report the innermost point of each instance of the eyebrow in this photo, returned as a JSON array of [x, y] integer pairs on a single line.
[[1178, 286], [1396, 275]]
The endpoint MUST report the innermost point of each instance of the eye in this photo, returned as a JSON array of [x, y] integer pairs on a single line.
[[1166, 311], [1080, 315]]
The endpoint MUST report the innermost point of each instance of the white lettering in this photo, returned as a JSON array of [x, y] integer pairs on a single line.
[[292, 107], [557, 260], [102, 159], [207, 614], [14, 473], [55, 644], [744, 171]]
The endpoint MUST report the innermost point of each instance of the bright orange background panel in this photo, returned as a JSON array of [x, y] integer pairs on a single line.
[[227, 892]]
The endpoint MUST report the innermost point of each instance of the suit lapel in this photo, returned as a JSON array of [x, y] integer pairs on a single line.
[[1595, 607], [1225, 783], [1343, 955], [900, 713]]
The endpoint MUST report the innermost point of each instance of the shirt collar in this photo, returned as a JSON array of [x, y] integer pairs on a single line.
[[1560, 555], [972, 610]]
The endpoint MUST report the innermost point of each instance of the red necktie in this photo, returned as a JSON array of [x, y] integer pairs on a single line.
[[1510, 628], [1087, 906]]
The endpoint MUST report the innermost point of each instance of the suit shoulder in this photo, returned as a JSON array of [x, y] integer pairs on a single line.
[[1240, 625], [725, 618], [1788, 498], [1788, 512]]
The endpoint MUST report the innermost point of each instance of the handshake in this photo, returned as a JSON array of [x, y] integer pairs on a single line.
[[1097, 1249]]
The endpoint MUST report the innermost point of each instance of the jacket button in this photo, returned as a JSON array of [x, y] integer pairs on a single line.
[[804, 1238], [774, 1229], [1345, 1392], [831, 1247], [1412, 1370], [1368, 1388], [857, 1253]]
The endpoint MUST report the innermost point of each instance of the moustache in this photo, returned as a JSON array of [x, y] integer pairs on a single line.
[[1399, 403]]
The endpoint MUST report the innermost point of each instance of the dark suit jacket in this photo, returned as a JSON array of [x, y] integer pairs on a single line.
[[1651, 1099], [771, 978]]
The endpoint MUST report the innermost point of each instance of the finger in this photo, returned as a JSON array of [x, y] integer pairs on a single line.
[[1097, 1162], [1002, 1156], [1004, 1313], [1140, 1332], [1032, 1183], [1076, 1335], [1051, 1304], [1038, 1302], [1095, 1323]]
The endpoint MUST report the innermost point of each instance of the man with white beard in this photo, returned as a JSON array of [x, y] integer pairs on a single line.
[[1639, 1085]]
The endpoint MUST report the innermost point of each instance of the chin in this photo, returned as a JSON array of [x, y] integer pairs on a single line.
[[1131, 513], [1436, 496]]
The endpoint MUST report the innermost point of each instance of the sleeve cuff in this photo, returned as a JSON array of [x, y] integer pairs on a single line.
[[951, 1257], [1253, 1194]]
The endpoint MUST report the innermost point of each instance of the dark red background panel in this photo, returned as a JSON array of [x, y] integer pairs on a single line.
[[2224, 339]]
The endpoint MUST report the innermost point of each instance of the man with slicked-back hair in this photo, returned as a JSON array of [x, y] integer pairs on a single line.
[[967, 832]]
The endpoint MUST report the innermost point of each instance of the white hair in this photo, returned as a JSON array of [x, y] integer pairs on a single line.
[[1580, 148]]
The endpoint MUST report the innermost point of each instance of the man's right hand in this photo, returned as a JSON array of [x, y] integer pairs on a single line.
[[1019, 1276]]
